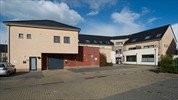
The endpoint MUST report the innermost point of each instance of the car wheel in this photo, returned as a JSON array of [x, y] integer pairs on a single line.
[[14, 71], [8, 74]]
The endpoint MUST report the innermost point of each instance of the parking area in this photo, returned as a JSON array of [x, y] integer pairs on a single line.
[[125, 83]]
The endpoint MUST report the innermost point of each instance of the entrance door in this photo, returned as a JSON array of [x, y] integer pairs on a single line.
[[55, 62], [33, 63]]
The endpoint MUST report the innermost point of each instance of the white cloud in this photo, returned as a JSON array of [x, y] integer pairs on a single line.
[[97, 5], [39, 9], [125, 23], [126, 17], [109, 29], [150, 20], [93, 13], [145, 10]]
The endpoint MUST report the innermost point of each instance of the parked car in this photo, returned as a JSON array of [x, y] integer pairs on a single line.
[[7, 68]]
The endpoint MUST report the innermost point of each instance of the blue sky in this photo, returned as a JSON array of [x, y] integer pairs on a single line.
[[95, 17]]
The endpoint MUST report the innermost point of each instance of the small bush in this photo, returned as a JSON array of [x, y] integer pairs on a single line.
[[103, 61], [167, 65], [109, 64]]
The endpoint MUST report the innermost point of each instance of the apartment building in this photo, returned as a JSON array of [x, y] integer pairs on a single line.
[[33, 41], [148, 46], [46, 44]]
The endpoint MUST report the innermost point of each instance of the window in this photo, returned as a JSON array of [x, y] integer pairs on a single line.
[[95, 41], [131, 58], [107, 42], [119, 51], [133, 48], [147, 58], [56, 39], [158, 35], [148, 46], [147, 37], [119, 43], [100, 42], [66, 39], [87, 41], [29, 36], [134, 40], [2, 65], [20, 35]]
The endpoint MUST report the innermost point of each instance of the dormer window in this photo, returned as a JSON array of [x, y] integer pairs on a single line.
[[87, 41], [95, 41], [107, 42], [134, 40], [147, 37], [100, 42], [158, 35]]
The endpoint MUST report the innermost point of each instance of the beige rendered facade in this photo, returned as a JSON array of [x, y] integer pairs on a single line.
[[164, 45], [41, 41]]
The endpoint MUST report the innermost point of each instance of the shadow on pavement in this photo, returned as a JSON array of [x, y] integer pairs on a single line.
[[155, 70], [16, 74], [23, 75], [96, 69]]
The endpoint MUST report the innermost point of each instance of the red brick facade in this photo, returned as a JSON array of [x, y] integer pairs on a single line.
[[87, 56]]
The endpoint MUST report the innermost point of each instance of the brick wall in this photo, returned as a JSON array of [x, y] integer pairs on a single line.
[[87, 56]]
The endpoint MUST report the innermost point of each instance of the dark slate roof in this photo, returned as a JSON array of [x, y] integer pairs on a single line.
[[152, 34], [120, 37], [93, 39], [3, 48], [42, 24]]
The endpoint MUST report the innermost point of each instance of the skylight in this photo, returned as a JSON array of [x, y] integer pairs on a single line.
[[134, 40], [95, 41], [87, 41], [107, 42], [147, 37], [158, 35], [100, 42]]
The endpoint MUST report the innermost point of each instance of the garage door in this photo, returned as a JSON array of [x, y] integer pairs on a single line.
[[55, 62]]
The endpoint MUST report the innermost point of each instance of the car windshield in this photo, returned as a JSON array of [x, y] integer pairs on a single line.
[[9, 64], [2, 65]]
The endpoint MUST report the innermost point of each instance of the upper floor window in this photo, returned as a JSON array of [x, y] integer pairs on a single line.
[[149, 46], [119, 43], [66, 39], [21, 35], [147, 37], [29, 36], [119, 51], [132, 48], [56, 39]]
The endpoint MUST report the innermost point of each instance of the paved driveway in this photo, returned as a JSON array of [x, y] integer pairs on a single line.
[[163, 90], [96, 69], [113, 84]]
